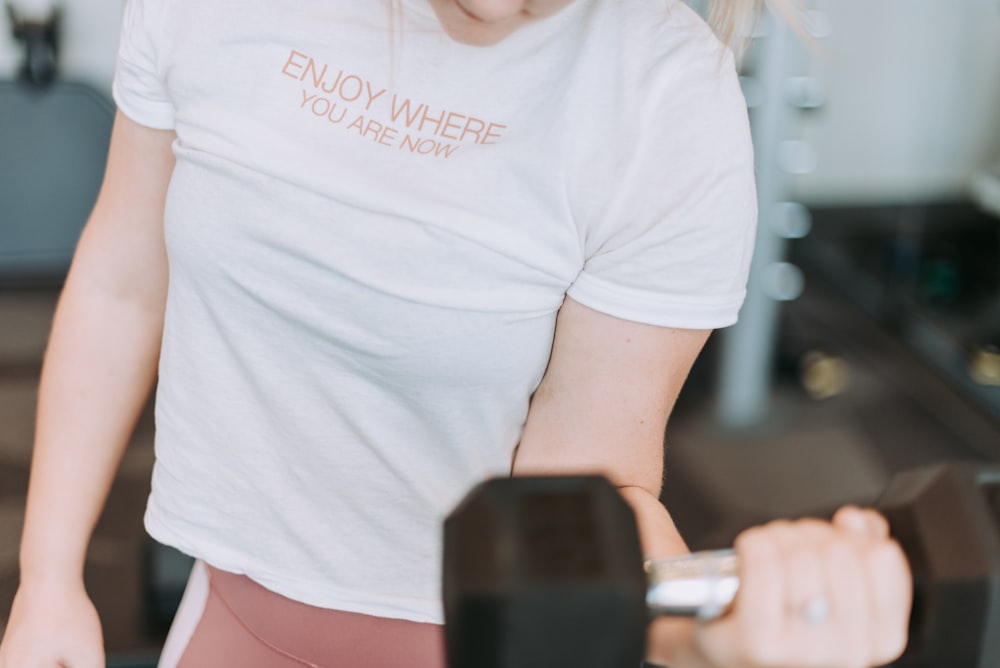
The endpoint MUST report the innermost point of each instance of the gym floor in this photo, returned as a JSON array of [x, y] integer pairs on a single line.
[[808, 457]]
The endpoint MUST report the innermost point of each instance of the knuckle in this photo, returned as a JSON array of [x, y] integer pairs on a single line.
[[752, 539], [890, 552], [782, 528], [878, 522], [842, 556], [772, 534]]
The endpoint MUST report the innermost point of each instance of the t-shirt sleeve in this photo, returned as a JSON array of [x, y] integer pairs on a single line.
[[672, 244], [139, 87]]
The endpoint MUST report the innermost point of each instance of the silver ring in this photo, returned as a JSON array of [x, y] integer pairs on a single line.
[[816, 610]]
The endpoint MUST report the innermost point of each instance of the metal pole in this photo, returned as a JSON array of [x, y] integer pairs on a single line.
[[747, 353]]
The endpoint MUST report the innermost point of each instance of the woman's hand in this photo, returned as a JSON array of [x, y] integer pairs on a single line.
[[814, 594], [52, 626]]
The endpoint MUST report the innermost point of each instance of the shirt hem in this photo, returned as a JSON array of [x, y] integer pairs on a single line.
[[333, 598], [690, 312], [148, 115]]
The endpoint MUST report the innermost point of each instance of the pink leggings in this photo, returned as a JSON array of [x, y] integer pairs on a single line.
[[229, 620]]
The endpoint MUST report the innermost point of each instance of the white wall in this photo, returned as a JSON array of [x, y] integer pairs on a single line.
[[913, 86], [914, 100], [89, 40]]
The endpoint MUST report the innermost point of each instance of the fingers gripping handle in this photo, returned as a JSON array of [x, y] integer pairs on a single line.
[[702, 584]]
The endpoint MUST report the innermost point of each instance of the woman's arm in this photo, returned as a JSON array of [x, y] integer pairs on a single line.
[[602, 407], [99, 368], [101, 358]]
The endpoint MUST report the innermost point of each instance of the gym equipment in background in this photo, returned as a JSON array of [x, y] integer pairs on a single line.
[[547, 572], [53, 147], [984, 187], [929, 276], [775, 98]]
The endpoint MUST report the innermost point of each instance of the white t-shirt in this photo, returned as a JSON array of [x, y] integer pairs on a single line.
[[370, 230]]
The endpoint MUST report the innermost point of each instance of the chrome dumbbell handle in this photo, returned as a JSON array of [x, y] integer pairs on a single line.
[[702, 584]]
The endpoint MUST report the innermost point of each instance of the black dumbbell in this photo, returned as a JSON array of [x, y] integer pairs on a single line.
[[547, 572]]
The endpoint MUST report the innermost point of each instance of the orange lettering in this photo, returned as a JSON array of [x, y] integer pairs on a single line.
[[468, 128], [336, 82], [290, 63], [491, 133], [317, 76], [359, 124], [408, 142], [404, 109], [387, 136], [321, 107], [372, 96], [436, 121], [374, 127], [361, 88], [447, 149], [329, 116], [427, 146], [449, 123]]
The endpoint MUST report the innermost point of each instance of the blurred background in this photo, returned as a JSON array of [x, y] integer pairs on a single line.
[[869, 343]]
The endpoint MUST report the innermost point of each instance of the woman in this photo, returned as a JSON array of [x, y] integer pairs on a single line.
[[409, 246]]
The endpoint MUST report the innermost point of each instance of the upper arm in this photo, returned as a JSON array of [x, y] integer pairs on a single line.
[[121, 250], [603, 403]]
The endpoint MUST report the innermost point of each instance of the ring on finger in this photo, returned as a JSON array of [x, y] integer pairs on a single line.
[[816, 610]]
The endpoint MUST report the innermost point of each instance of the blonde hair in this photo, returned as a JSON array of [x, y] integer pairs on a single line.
[[735, 21]]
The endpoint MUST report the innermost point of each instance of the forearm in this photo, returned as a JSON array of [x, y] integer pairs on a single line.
[[99, 368], [602, 407], [669, 639]]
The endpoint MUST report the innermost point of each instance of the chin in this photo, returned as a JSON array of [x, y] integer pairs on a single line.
[[463, 28], [474, 36], [478, 40]]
